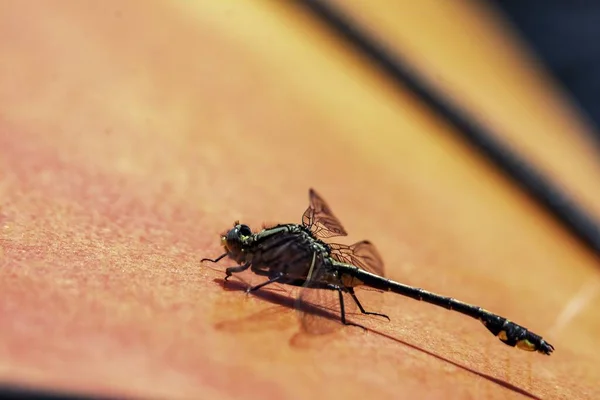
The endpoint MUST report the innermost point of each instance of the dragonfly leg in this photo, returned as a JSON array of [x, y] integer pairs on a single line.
[[231, 270], [362, 310], [273, 279], [343, 309], [216, 260]]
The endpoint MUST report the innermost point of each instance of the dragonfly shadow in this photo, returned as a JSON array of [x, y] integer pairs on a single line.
[[490, 378], [278, 297], [284, 300]]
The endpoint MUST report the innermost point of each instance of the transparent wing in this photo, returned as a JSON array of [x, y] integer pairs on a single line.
[[362, 254], [319, 310], [319, 218], [319, 306]]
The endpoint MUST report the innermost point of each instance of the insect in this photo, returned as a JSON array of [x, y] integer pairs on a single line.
[[298, 255]]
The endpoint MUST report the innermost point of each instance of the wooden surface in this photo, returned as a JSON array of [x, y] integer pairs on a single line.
[[132, 134]]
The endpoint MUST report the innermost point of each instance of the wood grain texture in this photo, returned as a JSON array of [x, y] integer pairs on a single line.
[[133, 133]]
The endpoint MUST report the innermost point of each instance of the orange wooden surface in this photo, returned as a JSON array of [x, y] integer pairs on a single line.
[[132, 134]]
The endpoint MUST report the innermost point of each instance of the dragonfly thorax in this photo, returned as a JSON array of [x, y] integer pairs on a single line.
[[287, 249]]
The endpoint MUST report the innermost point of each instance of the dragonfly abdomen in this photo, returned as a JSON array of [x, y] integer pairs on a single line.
[[514, 335], [508, 332]]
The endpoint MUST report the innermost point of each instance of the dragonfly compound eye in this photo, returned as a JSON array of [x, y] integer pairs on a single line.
[[245, 230], [233, 237]]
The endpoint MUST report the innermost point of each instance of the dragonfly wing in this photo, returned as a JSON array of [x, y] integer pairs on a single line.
[[319, 310], [319, 218], [362, 254], [319, 306]]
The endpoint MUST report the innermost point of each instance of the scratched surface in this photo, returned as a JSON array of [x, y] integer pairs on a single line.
[[133, 134]]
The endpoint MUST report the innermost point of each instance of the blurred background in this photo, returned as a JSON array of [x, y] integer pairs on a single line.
[[561, 37]]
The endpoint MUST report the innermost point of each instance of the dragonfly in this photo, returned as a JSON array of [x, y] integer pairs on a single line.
[[301, 255]]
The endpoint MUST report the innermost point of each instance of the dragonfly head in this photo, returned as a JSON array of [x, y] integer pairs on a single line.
[[236, 240]]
